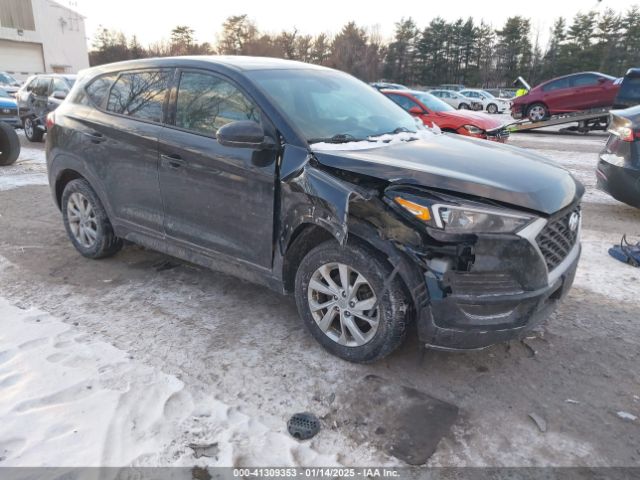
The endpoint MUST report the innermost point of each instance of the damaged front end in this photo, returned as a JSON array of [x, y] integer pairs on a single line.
[[470, 286], [492, 273]]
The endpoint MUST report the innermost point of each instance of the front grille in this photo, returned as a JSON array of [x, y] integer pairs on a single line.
[[557, 238], [498, 134]]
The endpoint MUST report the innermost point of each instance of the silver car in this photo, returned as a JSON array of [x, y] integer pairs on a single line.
[[457, 101]]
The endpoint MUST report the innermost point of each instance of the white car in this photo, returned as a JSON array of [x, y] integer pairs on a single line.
[[454, 99], [490, 103]]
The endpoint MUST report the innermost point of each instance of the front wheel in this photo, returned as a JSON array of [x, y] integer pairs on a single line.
[[492, 108], [342, 301], [463, 106], [31, 130], [537, 112]]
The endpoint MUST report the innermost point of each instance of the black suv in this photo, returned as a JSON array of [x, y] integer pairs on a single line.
[[40, 95], [309, 181]]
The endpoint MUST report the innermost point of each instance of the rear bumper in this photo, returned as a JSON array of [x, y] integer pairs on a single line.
[[468, 320], [621, 183]]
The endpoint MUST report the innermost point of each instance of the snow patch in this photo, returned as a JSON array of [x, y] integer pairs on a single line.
[[9, 182], [626, 415], [377, 142], [70, 400]]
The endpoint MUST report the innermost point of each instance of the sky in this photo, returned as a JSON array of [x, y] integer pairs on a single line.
[[152, 20]]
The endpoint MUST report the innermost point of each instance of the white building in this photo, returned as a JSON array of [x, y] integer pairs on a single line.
[[41, 36]]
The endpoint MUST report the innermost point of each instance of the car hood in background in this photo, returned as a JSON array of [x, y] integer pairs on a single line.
[[468, 166], [466, 117]]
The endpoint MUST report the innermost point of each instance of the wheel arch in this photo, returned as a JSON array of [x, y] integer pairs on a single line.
[[64, 177]]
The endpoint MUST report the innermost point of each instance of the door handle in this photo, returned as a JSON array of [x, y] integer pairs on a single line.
[[95, 137], [173, 161]]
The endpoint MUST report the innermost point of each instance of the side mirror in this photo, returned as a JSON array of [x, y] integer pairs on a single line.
[[244, 134], [59, 95], [601, 80], [416, 111]]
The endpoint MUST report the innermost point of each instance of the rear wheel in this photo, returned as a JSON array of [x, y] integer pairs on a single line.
[[341, 299], [9, 145], [31, 130], [463, 106], [537, 112], [492, 108], [86, 221]]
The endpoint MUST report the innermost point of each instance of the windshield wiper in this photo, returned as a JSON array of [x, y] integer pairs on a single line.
[[393, 132], [337, 138]]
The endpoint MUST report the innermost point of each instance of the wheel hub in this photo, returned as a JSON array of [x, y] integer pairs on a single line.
[[343, 304]]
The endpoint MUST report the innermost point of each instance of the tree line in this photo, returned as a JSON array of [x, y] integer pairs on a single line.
[[459, 51]]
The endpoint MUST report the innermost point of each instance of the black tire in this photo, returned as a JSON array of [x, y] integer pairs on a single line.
[[492, 108], [464, 106], [106, 243], [537, 112], [9, 145], [31, 131], [392, 307]]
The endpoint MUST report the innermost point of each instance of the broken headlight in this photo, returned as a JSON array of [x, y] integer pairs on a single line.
[[460, 219]]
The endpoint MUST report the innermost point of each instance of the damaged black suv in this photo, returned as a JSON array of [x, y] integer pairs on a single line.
[[309, 181]]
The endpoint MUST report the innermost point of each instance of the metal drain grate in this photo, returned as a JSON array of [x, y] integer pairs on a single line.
[[303, 426]]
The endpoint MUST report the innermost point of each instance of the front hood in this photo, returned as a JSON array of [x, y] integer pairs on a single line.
[[465, 165], [479, 119]]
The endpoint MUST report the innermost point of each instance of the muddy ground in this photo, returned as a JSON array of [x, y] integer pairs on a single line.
[[245, 345]]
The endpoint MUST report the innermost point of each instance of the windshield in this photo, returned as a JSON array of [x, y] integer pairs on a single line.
[[326, 104], [432, 103], [7, 79]]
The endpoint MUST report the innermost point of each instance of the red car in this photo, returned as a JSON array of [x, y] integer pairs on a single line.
[[571, 93], [432, 110]]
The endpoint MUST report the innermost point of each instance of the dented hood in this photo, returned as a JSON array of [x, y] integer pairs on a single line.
[[464, 165]]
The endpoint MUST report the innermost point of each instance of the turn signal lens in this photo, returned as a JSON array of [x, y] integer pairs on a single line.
[[419, 211]]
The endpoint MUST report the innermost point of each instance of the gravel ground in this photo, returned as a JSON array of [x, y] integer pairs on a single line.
[[245, 347]]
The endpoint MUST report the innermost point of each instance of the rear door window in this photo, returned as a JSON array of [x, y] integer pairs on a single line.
[[585, 80], [59, 85], [140, 94], [206, 102]]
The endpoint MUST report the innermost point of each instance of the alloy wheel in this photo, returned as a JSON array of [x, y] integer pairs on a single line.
[[537, 113], [343, 304], [28, 127], [82, 220], [492, 108]]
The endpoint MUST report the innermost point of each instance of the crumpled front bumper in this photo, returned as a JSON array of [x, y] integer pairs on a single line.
[[488, 308]]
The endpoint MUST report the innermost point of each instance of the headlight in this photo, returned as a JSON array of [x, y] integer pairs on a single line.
[[458, 219], [473, 130]]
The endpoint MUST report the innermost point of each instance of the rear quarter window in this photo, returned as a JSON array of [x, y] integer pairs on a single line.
[[98, 90]]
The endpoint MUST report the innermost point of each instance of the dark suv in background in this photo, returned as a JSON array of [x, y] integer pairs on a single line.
[[40, 95], [308, 181]]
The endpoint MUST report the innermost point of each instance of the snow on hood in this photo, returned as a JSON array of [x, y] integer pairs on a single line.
[[379, 141]]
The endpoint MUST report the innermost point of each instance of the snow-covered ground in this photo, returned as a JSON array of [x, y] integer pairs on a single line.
[[126, 362]]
